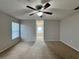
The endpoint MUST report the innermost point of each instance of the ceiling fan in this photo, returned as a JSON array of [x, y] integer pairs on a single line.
[[39, 10]]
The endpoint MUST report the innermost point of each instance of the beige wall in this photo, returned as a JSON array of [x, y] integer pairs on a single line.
[[69, 31], [5, 32], [28, 30], [51, 30]]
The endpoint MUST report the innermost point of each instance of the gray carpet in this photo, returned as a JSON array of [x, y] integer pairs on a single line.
[[38, 50]]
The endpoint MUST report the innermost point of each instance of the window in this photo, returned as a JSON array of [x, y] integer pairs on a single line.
[[15, 30], [39, 29]]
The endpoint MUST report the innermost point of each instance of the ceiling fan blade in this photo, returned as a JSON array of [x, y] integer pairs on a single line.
[[31, 7], [31, 14], [50, 13], [46, 5], [76, 8]]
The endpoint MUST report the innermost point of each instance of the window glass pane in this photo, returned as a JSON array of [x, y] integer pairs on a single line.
[[39, 29], [15, 30]]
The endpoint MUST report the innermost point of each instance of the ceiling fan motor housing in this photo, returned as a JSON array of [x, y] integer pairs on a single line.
[[38, 7]]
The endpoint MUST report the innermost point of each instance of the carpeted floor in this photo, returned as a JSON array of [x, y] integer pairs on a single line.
[[33, 50]]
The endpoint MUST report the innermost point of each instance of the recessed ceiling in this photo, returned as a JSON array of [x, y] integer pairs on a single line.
[[17, 8]]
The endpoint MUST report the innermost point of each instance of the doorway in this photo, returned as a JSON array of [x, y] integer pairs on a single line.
[[40, 30]]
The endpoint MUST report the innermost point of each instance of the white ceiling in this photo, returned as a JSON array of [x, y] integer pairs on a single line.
[[17, 8]]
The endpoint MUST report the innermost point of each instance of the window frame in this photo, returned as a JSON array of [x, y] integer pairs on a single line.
[[19, 30]]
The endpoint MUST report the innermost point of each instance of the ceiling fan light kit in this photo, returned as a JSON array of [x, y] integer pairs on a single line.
[[40, 13]]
